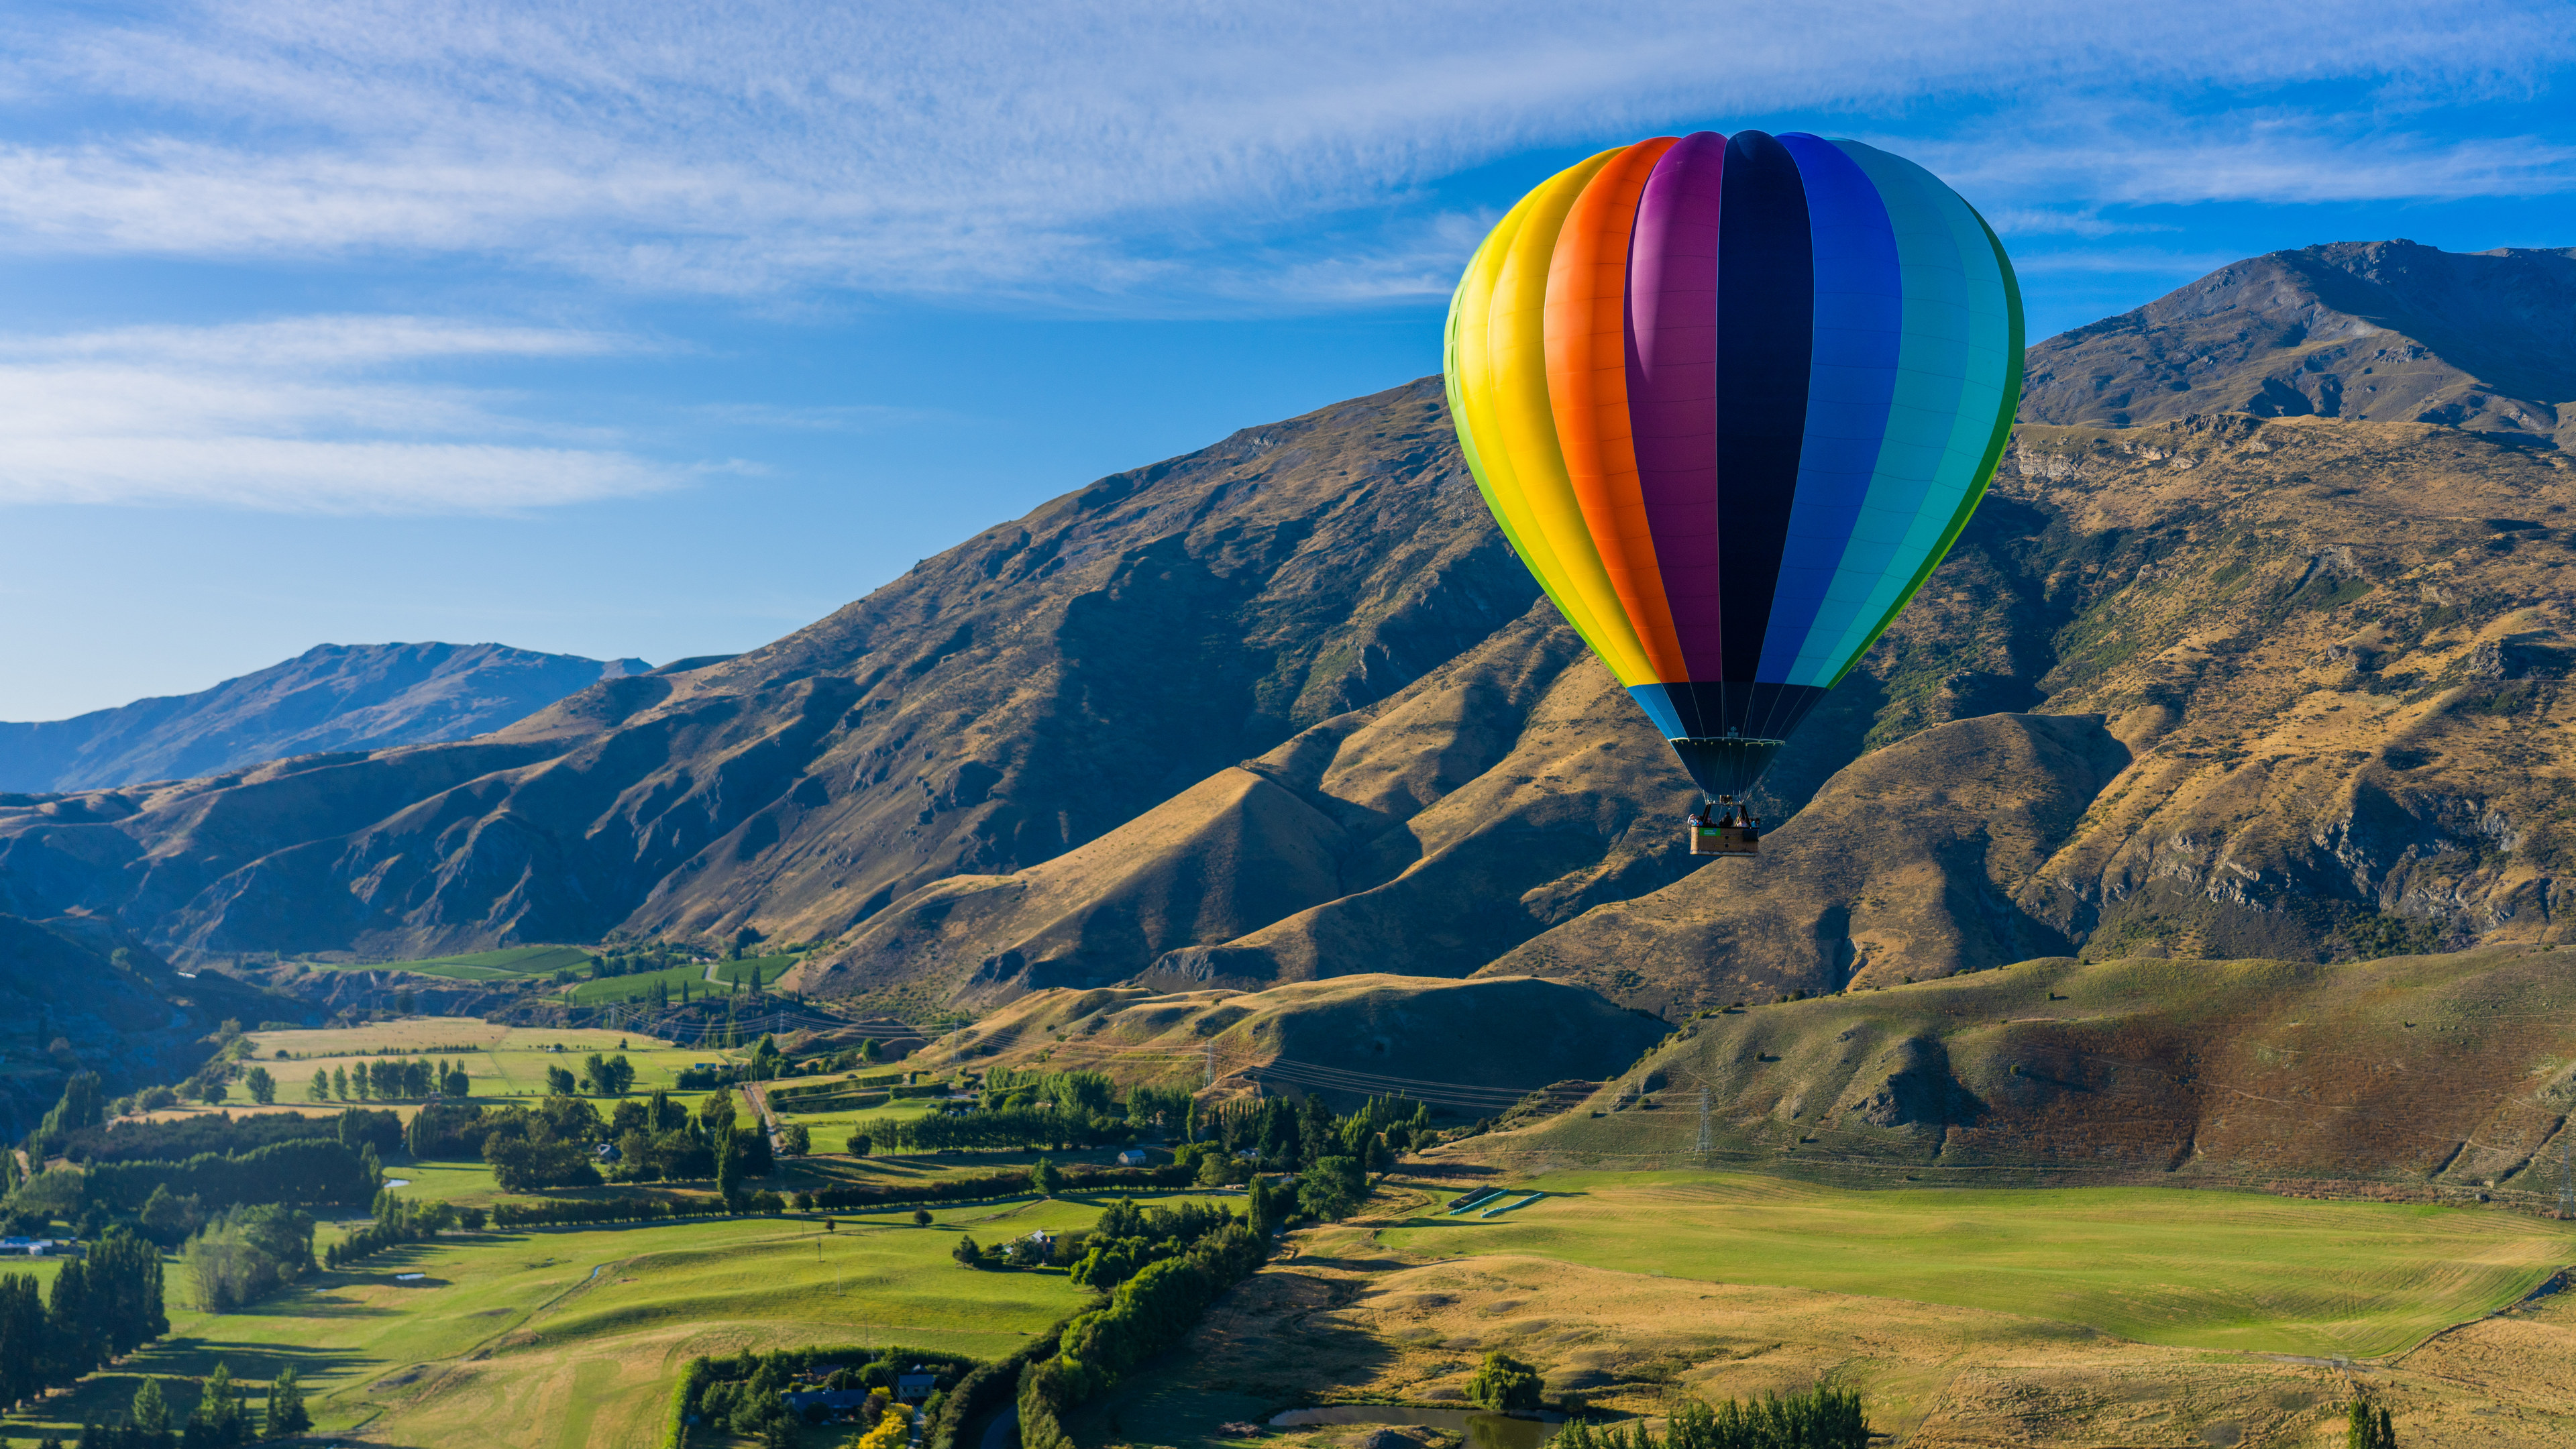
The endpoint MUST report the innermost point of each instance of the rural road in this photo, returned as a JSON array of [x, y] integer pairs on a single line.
[[759, 1095]]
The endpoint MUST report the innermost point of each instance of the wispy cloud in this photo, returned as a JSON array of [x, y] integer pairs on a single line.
[[297, 415], [1166, 156], [2128, 153]]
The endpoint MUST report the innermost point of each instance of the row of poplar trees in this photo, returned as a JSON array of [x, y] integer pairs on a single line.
[[102, 1307]]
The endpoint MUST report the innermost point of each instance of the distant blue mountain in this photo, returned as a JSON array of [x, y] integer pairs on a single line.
[[329, 698]]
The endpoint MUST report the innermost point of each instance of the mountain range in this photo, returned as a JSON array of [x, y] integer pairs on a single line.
[[334, 697], [2209, 674]]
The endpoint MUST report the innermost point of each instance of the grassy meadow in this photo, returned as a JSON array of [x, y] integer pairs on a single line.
[[2188, 1268], [702, 976], [572, 1337], [503, 1061], [507, 964]]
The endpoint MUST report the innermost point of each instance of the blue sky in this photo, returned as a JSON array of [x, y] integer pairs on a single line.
[[659, 330]]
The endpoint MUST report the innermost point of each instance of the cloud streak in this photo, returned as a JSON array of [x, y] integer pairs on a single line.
[[1153, 157], [297, 416]]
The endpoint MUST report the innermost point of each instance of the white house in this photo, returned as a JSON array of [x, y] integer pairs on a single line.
[[1133, 1157], [39, 1248]]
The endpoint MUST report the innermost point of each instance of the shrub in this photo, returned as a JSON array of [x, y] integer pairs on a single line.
[[1503, 1382]]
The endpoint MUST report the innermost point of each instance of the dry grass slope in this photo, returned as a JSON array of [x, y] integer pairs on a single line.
[[2446, 1075], [1496, 1037]]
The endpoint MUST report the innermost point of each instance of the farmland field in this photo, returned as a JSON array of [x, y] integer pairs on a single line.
[[1345, 1316], [832, 1129], [506, 964], [504, 1061], [2192, 1269], [572, 1337], [701, 976]]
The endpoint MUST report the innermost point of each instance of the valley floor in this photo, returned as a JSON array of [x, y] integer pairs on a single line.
[[570, 1338], [2228, 1310]]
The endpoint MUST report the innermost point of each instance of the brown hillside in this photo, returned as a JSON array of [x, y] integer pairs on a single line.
[[1901, 869], [1470, 1045], [2315, 672], [2386, 331], [2410, 1071], [2301, 684], [2452, 1071]]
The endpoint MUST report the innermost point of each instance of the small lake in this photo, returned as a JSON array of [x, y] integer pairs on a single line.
[[1482, 1430]]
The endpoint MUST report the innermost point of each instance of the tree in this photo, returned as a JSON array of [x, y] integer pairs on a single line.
[[2364, 1429], [263, 1087], [212, 1092], [220, 1416], [82, 1105], [795, 1139], [921, 1217], [1505, 1383], [339, 1081], [1044, 1180], [859, 1144], [286, 1414], [320, 1091], [729, 1172], [967, 1253], [151, 1410], [1269, 1206], [455, 1083], [869, 1051], [168, 1218], [559, 1082], [1331, 1187]]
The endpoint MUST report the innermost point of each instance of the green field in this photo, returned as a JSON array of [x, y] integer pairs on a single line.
[[2193, 1269], [507, 964], [503, 1062], [702, 977], [832, 1129], [696, 974], [572, 1337]]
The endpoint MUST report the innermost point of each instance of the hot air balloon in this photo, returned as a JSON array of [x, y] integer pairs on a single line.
[[1731, 398]]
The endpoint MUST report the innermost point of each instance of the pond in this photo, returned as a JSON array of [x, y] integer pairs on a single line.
[[1481, 1429]]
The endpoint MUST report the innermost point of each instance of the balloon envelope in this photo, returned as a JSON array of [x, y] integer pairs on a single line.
[[1731, 398]]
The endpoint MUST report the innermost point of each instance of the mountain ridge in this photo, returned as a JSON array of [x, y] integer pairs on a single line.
[[331, 698], [2390, 331]]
